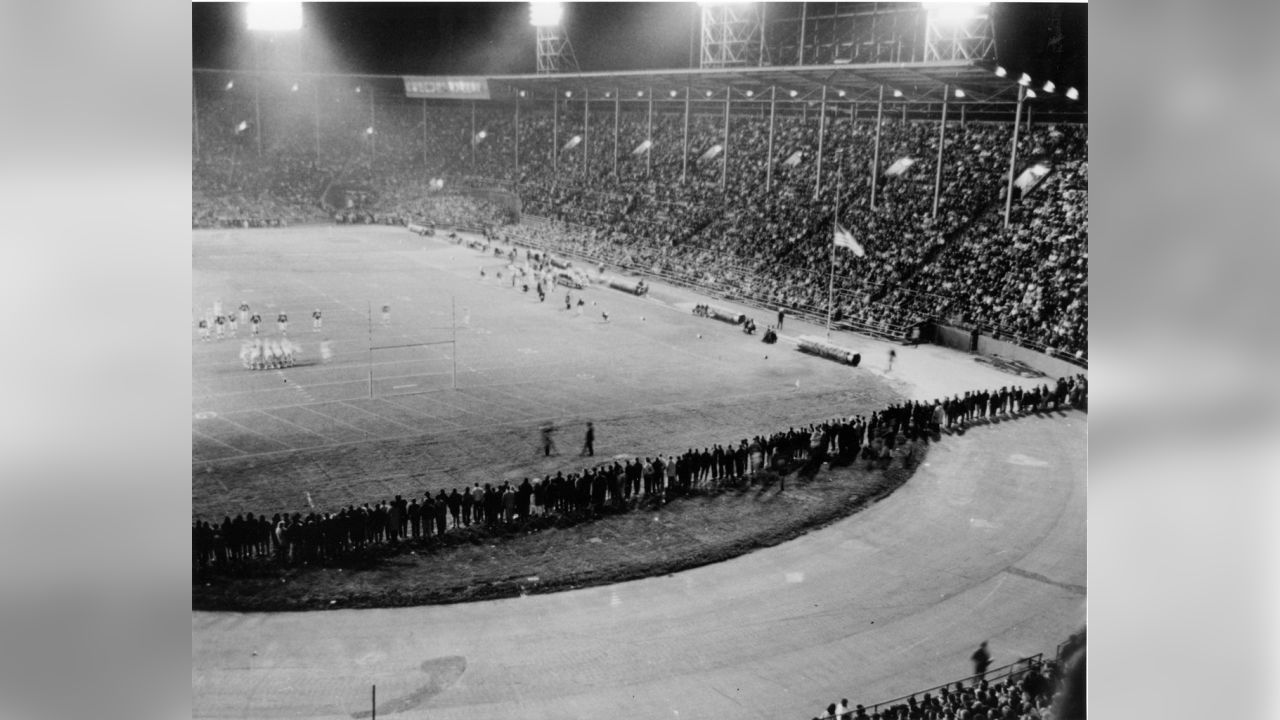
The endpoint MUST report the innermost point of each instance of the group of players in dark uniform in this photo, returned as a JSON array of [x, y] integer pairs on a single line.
[[616, 486]]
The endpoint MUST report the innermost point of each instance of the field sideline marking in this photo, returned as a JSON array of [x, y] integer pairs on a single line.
[[530, 423]]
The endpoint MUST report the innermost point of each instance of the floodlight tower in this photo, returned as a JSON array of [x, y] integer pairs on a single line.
[[555, 53], [732, 34], [268, 17], [958, 31]]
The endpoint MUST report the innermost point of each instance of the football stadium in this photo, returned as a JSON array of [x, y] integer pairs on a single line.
[[660, 359]]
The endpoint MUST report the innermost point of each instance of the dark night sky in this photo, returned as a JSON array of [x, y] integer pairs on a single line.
[[496, 38]]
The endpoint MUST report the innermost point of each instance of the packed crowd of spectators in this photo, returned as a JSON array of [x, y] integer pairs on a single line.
[[877, 439], [708, 218], [1038, 692]]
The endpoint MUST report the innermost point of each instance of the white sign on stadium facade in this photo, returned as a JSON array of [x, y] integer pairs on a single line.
[[447, 88]]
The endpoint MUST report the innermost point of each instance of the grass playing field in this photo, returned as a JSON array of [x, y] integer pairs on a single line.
[[311, 436]]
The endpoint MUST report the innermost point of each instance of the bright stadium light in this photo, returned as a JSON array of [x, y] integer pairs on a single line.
[[568, 93], [294, 88], [1049, 86], [1030, 93], [545, 14], [708, 93], [751, 93], [897, 93], [1001, 72], [673, 93], [840, 93], [639, 93], [368, 130], [274, 16], [793, 93], [608, 94], [954, 13], [357, 88], [1025, 80], [521, 93], [959, 93], [244, 125], [231, 84], [1073, 94]]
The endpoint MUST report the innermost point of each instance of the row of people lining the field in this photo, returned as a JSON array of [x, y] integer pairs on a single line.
[[1039, 692], [876, 440]]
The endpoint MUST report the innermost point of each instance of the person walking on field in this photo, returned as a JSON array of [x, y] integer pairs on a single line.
[[981, 661], [589, 444]]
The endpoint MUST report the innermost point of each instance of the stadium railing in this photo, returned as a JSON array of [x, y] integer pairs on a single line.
[[1013, 670]]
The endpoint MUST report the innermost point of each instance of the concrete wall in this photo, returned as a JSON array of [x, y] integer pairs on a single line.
[[961, 339]]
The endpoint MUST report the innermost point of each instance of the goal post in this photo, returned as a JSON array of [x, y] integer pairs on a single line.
[[409, 368]]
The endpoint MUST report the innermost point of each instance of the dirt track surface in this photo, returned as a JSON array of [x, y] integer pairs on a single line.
[[986, 542]]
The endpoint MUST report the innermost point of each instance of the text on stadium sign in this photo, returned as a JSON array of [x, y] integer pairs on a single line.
[[462, 88]]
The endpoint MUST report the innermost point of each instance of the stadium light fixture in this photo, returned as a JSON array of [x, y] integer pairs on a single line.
[[1025, 80], [545, 14], [482, 134], [1049, 86], [521, 93], [897, 93], [1000, 71], [608, 94], [708, 93], [294, 88], [274, 16], [639, 93], [230, 84], [1030, 93], [751, 93], [840, 93], [1073, 94], [357, 88], [368, 130], [673, 93], [959, 93], [953, 13], [244, 125], [568, 93], [793, 93]]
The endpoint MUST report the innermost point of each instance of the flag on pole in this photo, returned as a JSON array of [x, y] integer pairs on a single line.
[[844, 239]]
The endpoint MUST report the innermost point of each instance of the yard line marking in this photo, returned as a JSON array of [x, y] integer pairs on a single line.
[[376, 415], [419, 413], [401, 387], [251, 431], [336, 420], [210, 438], [303, 428]]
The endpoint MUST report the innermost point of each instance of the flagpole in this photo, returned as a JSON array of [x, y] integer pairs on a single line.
[[835, 222]]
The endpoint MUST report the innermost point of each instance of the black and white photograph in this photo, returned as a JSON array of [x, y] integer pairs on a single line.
[[661, 360]]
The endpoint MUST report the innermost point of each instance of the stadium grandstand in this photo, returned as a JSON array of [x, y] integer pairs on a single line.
[[734, 170], [871, 169]]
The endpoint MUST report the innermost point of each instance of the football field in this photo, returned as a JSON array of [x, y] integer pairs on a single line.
[[457, 382]]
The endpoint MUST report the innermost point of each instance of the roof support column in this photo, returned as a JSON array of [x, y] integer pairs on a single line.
[[195, 120], [257, 111], [517, 131], [822, 131], [724, 153], [648, 154], [586, 131], [942, 141], [768, 166], [1013, 156], [473, 137], [373, 125], [684, 156], [315, 97], [804, 18], [617, 111], [555, 135], [424, 134], [875, 158]]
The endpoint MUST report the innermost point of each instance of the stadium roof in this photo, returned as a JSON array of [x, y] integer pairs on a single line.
[[918, 83]]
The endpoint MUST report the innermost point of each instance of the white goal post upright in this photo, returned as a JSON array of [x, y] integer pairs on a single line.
[[452, 341]]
